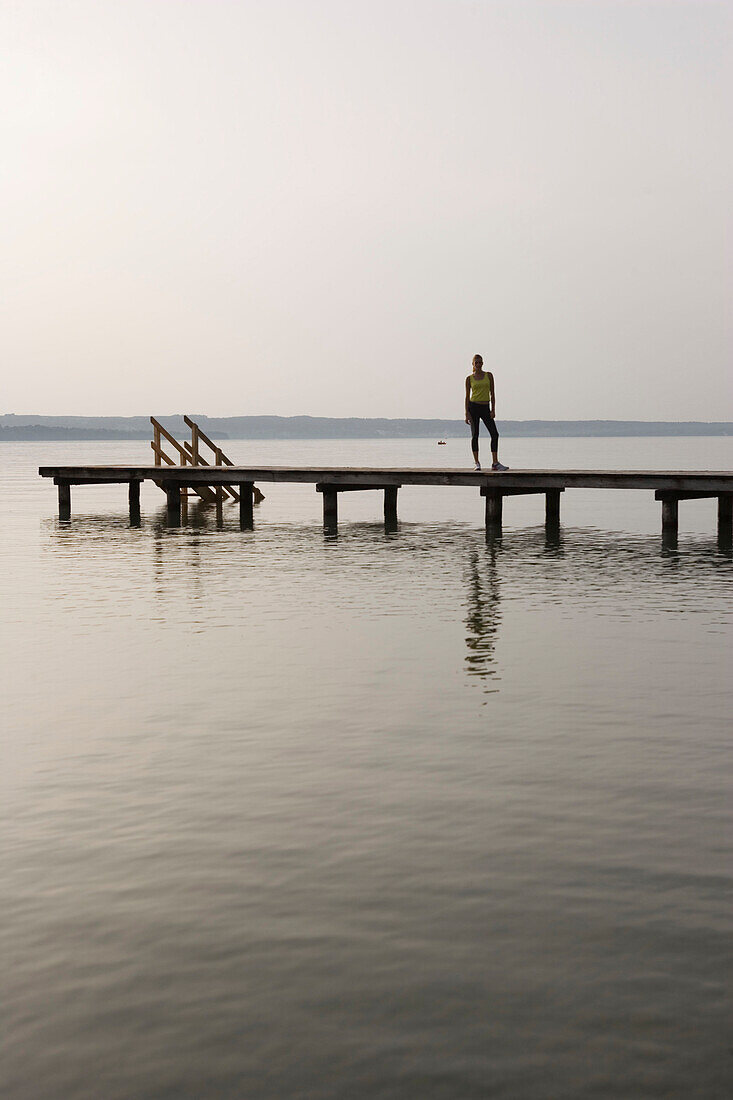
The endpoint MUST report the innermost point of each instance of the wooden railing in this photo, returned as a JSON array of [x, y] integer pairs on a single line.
[[189, 454]]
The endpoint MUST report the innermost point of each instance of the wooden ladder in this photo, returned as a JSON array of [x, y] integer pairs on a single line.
[[189, 454]]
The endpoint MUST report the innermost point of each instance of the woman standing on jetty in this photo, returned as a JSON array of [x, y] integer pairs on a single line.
[[481, 405]]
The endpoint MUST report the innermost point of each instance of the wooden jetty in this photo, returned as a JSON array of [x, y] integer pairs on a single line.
[[669, 487]]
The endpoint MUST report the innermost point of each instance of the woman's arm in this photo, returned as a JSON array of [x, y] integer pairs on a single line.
[[468, 398], [492, 405]]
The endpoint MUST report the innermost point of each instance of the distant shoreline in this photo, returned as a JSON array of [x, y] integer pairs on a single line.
[[325, 428], [115, 428]]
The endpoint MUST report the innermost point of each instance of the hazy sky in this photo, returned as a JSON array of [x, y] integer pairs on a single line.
[[327, 206]]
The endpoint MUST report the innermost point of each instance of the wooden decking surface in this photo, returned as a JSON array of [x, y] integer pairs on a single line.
[[679, 481]]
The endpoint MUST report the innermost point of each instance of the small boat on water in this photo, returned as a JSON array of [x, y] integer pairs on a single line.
[[441, 443]]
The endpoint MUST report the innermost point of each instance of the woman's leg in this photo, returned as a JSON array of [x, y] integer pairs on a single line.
[[475, 422], [494, 433]]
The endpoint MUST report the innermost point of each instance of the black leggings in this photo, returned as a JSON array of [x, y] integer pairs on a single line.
[[478, 413]]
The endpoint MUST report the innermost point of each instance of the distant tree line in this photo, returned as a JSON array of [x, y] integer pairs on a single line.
[[48, 431], [30, 427]]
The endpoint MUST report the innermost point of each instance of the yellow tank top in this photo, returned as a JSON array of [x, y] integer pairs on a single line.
[[481, 389]]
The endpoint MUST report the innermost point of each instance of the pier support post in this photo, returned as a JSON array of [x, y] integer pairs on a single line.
[[246, 509], [134, 499], [390, 505], [670, 510], [552, 507], [725, 521], [330, 506], [494, 500], [173, 498], [64, 500]]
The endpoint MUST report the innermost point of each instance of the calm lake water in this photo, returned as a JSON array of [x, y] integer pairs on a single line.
[[383, 815]]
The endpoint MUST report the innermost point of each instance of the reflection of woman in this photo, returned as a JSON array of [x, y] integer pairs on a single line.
[[483, 618], [481, 405]]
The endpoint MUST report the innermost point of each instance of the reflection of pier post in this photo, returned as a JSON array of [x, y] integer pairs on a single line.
[[669, 538]]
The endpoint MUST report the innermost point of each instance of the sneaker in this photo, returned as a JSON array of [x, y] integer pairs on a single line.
[[477, 467], [497, 466]]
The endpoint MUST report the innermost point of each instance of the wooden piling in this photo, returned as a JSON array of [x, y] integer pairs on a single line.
[[156, 441], [246, 501], [670, 511], [219, 461], [134, 500], [330, 506], [390, 504], [725, 510], [494, 501], [64, 499], [552, 507], [173, 500]]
